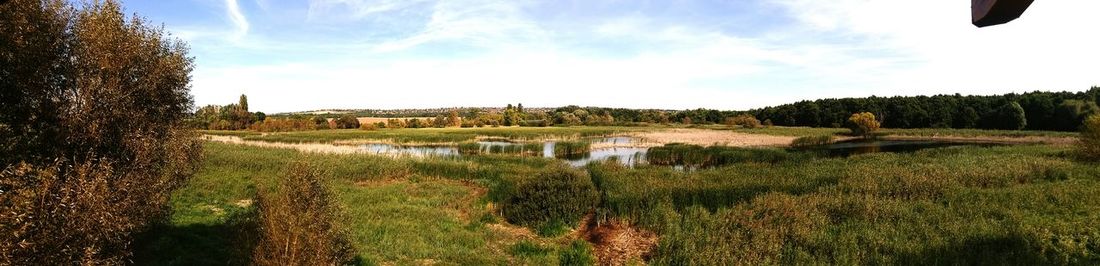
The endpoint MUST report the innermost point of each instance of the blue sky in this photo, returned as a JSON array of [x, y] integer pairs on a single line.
[[675, 54]]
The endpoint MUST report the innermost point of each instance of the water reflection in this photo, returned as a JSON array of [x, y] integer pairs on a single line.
[[612, 148]]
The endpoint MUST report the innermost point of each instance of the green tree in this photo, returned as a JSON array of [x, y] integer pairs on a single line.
[[347, 121], [1069, 115], [863, 124], [243, 103], [92, 133], [1011, 117]]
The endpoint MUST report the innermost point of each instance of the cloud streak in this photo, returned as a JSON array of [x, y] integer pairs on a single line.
[[240, 23]]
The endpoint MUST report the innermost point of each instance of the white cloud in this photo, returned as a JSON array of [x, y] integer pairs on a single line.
[[233, 11], [843, 48]]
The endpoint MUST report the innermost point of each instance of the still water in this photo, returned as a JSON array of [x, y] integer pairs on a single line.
[[631, 156]]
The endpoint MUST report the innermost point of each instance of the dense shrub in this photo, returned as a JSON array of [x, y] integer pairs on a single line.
[[369, 126], [299, 222], [283, 125], [92, 138], [1090, 137], [559, 194], [745, 120], [863, 124], [346, 121]]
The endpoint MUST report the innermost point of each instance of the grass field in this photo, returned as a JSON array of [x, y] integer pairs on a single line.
[[1018, 204]]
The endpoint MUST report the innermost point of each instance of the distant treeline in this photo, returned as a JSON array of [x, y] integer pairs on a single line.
[[1058, 111], [1061, 111]]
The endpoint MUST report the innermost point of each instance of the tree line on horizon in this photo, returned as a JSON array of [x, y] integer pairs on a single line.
[[1038, 110]]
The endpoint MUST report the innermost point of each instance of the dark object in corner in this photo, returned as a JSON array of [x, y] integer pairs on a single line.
[[994, 12]]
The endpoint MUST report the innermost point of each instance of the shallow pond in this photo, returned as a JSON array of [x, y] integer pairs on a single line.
[[631, 156]]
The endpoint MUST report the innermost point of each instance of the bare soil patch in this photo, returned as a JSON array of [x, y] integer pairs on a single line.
[[706, 137], [616, 242]]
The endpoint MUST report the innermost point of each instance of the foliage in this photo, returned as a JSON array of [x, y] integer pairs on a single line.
[[1089, 145], [1042, 110], [744, 120], [92, 130], [346, 121], [284, 124], [558, 194], [1071, 113], [1010, 117], [863, 124], [300, 222]]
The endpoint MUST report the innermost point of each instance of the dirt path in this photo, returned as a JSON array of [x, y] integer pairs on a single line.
[[706, 137]]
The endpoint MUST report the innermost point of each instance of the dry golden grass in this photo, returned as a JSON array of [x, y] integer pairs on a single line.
[[705, 137]]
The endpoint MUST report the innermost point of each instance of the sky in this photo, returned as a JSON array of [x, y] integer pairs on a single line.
[[667, 54]]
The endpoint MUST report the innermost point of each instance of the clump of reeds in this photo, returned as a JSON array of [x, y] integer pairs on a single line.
[[299, 222]]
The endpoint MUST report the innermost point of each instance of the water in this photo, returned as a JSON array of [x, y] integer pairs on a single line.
[[627, 156], [631, 156], [857, 147], [414, 151]]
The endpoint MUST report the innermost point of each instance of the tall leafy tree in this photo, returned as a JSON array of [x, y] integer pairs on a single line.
[[92, 130]]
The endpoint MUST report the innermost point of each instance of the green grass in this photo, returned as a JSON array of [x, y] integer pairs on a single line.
[[1019, 204], [1001, 205], [406, 211], [441, 135]]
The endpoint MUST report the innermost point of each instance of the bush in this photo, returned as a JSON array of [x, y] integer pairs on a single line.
[[368, 126], [283, 125], [299, 222], [746, 121], [768, 123], [1089, 145], [92, 133], [346, 121], [558, 194], [864, 124]]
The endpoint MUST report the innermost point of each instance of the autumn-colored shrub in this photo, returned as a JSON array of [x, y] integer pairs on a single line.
[[559, 194], [745, 120], [92, 137], [863, 124], [299, 222], [283, 125], [346, 121], [369, 126], [1089, 145]]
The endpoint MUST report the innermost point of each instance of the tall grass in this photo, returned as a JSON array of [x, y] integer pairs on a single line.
[[1001, 205], [699, 156], [1024, 204], [300, 222]]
